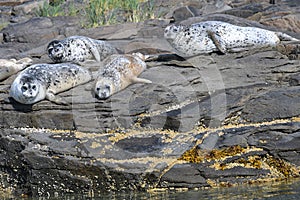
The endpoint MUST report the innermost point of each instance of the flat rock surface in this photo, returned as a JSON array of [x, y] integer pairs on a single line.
[[212, 120]]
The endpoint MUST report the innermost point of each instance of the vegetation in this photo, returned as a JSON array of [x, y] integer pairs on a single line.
[[101, 12], [50, 10]]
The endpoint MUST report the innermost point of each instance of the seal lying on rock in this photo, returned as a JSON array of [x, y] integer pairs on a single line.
[[212, 36], [78, 49], [43, 81], [12, 66], [119, 71]]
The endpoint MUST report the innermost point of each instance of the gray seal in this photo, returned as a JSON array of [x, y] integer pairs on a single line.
[[213, 36], [78, 49], [118, 72], [43, 81]]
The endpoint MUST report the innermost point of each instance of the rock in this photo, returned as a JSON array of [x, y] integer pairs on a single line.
[[275, 104], [28, 7], [12, 2], [288, 22], [185, 12], [36, 29], [6, 10], [194, 8], [294, 80], [246, 11], [183, 175]]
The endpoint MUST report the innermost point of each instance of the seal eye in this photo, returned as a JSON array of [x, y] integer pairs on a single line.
[[98, 89], [33, 87], [50, 49], [24, 88], [107, 87], [175, 29]]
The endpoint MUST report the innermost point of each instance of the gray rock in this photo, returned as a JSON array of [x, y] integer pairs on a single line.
[[275, 104], [28, 7], [36, 31], [294, 80], [183, 175]]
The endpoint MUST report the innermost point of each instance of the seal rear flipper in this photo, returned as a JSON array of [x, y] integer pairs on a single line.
[[25, 61], [286, 37], [4, 73], [220, 44], [141, 80], [56, 99]]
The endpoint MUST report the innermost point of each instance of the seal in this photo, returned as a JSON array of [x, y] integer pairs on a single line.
[[118, 72], [213, 36], [12, 66], [43, 81], [77, 49]]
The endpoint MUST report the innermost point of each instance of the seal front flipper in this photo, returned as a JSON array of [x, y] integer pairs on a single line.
[[56, 99], [93, 48], [140, 80], [217, 41]]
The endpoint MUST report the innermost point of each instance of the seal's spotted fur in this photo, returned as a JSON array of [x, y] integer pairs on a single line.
[[213, 36], [119, 71], [43, 81], [78, 49]]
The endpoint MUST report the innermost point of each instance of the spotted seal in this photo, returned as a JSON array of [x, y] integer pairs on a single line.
[[43, 81], [12, 66], [118, 72], [78, 49], [212, 36]]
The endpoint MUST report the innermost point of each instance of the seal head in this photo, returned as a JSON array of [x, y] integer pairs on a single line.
[[56, 50], [172, 31], [27, 90], [104, 88]]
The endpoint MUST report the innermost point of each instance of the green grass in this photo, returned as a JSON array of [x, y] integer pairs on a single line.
[[51, 10], [102, 12]]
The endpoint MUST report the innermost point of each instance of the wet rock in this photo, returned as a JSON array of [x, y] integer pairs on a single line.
[[183, 175]]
